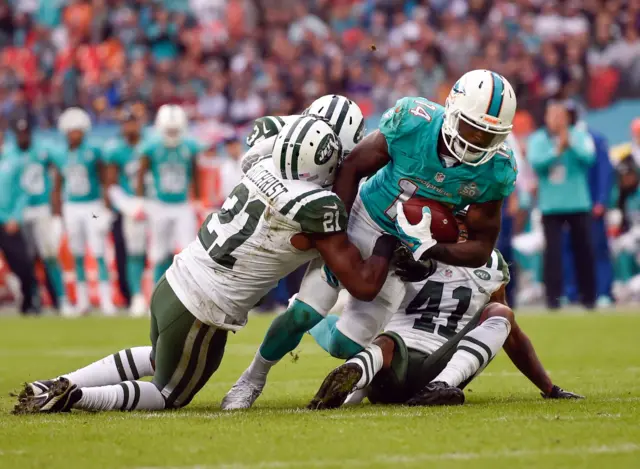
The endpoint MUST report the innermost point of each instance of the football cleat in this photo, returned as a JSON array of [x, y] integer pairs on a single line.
[[336, 387], [437, 393], [35, 388], [60, 398], [138, 307], [242, 395]]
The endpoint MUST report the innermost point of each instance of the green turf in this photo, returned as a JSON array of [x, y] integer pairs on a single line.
[[504, 423]]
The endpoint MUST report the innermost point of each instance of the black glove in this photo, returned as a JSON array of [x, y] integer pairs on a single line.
[[559, 393], [410, 270]]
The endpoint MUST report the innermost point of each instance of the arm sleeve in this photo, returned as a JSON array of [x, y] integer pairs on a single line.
[[325, 214], [581, 147], [541, 155], [399, 125], [509, 172]]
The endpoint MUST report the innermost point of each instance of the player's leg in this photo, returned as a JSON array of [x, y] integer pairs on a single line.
[[75, 227], [97, 231], [185, 352], [135, 240], [47, 236], [383, 362], [473, 351], [160, 248]]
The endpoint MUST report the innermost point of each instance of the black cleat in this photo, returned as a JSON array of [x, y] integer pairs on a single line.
[[437, 393], [35, 388], [60, 398], [336, 387]]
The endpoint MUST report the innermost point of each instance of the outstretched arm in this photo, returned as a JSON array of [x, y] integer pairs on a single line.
[[142, 171], [483, 225], [367, 157], [520, 350], [363, 278]]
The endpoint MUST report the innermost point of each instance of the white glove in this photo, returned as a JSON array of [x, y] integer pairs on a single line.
[[136, 209], [417, 237]]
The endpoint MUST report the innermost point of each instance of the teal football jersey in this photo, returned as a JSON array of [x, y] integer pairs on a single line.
[[80, 169], [125, 157], [412, 129], [171, 168], [36, 179]]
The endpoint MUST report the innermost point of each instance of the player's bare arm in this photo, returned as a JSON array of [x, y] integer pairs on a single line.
[[56, 193], [483, 227], [363, 278], [142, 170], [520, 350], [367, 157]]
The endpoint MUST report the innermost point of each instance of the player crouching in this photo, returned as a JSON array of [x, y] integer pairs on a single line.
[[447, 330]]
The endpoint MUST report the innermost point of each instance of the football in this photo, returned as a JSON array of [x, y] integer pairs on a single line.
[[444, 227]]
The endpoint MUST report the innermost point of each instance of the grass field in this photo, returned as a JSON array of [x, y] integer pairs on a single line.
[[504, 423]]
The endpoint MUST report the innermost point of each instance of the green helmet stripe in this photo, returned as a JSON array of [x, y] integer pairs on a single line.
[[342, 117], [280, 121], [297, 145], [332, 107], [283, 153]]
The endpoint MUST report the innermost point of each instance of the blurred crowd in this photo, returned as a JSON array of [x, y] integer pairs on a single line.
[[235, 60]]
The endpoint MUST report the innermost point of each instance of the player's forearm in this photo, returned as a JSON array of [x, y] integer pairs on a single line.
[[56, 197], [367, 279], [472, 253], [521, 352]]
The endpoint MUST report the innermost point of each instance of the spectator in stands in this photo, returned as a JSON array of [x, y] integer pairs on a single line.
[[561, 156], [13, 201]]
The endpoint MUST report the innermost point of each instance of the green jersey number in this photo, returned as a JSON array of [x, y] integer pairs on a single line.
[[428, 302], [224, 232]]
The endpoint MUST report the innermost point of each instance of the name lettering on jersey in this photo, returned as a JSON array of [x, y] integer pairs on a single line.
[[482, 274], [435, 188], [268, 184]]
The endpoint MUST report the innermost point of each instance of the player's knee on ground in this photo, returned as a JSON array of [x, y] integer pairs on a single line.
[[340, 346], [389, 385]]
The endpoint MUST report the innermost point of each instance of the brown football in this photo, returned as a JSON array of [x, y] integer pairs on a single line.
[[444, 227]]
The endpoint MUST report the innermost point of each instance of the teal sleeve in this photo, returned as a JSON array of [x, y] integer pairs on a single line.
[[398, 125], [582, 147], [541, 155], [145, 149], [195, 147], [109, 153], [509, 172]]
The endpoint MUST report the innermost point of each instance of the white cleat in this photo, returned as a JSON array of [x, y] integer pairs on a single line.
[[356, 397], [35, 388], [242, 395], [108, 308], [138, 306]]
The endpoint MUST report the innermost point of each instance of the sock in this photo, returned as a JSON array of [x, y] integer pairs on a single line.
[[475, 350], [103, 273], [82, 294], [81, 276], [128, 395], [160, 268], [129, 364], [259, 369], [135, 271], [286, 331], [370, 360], [323, 331], [329, 337], [53, 269]]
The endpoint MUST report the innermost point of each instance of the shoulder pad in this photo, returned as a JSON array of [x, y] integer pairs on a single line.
[[317, 211]]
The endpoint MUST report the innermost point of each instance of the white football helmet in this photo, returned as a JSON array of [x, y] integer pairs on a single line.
[[478, 116], [171, 124], [74, 118], [344, 115], [307, 150]]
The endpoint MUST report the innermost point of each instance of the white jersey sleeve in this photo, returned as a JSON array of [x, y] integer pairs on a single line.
[[434, 310]]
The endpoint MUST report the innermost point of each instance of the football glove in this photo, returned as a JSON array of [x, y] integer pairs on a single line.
[[418, 237], [410, 270], [558, 393]]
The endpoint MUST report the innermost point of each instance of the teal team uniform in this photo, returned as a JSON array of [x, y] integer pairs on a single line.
[[36, 180], [171, 168], [80, 169], [125, 157], [412, 129]]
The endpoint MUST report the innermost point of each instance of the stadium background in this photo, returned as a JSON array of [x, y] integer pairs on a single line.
[[230, 61]]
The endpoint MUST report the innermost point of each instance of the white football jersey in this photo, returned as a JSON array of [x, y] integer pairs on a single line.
[[434, 310], [243, 250]]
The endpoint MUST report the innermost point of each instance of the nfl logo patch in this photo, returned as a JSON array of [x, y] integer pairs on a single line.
[[439, 177], [448, 273]]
